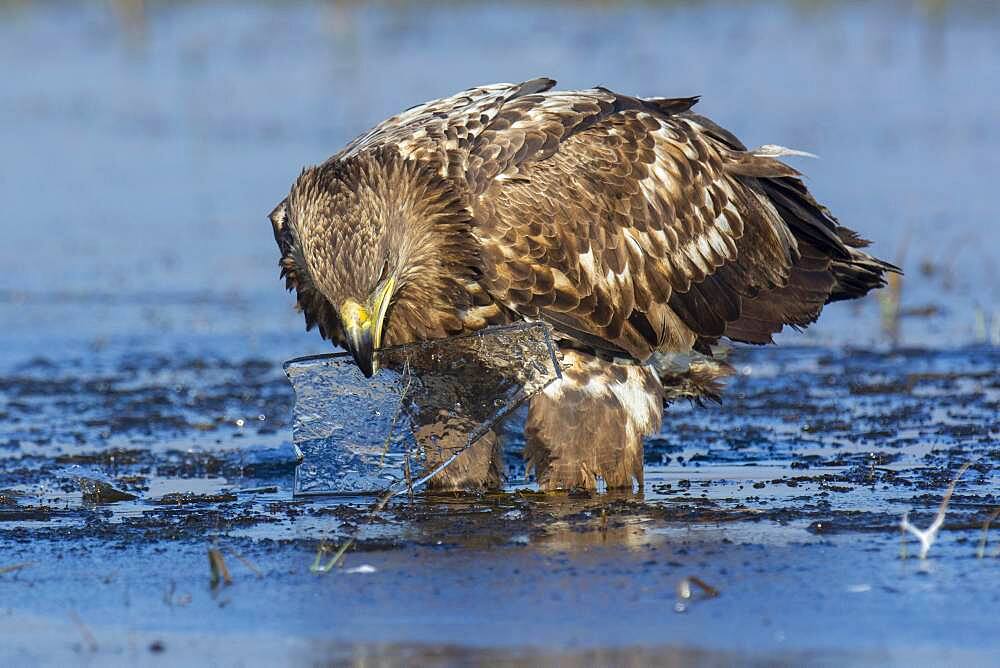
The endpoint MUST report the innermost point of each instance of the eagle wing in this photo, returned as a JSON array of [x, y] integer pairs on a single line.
[[632, 225], [635, 226], [442, 132]]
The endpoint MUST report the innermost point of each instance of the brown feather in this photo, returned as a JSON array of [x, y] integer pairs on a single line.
[[633, 226]]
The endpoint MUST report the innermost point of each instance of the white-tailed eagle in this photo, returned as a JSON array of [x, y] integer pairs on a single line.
[[634, 226]]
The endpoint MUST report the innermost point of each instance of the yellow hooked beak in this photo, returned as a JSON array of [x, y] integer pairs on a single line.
[[363, 326]]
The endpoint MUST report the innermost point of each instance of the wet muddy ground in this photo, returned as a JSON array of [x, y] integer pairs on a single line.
[[786, 500]]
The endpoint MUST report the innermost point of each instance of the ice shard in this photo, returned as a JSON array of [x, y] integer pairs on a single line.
[[429, 402]]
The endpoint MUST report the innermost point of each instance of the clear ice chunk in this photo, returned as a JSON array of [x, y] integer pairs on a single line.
[[429, 403]]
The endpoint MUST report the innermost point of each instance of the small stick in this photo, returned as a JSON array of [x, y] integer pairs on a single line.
[[981, 551], [15, 567], [218, 566], [88, 637], [684, 592], [929, 535], [684, 588], [317, 567], [320, 551], [246, 562], [409, 477]]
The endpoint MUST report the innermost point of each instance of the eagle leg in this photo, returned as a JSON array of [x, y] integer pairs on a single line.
[[589, 425], [477, 469]]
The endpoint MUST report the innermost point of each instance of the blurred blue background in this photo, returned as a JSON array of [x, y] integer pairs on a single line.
[[144, 143]]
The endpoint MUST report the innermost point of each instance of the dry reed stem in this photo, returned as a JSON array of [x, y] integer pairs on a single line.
[[685, 593], [246, 562], [981, 550], [929, 535], [220, 574], [15, 567], [88, 637]]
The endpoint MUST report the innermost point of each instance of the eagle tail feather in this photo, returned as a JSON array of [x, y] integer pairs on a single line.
[[830, 267], [855, 272], [859, 276]]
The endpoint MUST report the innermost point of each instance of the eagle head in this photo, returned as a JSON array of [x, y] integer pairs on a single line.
[[378, 250]]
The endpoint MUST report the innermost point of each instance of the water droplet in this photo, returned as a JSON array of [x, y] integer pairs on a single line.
[[261, 417], [240, 422]]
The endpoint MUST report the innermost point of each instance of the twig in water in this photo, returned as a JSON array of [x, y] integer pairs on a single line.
[[218, 565], [246, 562], [321, 552], [15, 567], [981, 551], [318, 567], [929, 535], [684, 593], [88, 637], [408, 475]]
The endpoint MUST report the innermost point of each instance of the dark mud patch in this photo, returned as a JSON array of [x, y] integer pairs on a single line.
[[839, 441]]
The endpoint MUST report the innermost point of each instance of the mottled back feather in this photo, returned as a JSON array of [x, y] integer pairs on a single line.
[[632, 225]]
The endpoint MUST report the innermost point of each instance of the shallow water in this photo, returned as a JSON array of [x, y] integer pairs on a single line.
[[144, 328], [787, 500]]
